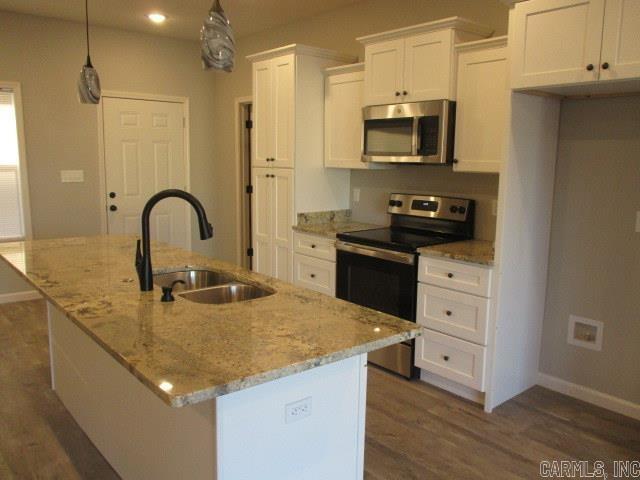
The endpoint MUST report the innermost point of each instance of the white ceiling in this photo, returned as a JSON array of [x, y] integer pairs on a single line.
[[184, 16]]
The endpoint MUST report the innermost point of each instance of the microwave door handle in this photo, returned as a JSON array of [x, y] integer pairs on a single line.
[[416, 139]]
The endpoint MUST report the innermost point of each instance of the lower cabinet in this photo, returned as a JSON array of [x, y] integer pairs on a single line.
[[454, 308], [314, 265]]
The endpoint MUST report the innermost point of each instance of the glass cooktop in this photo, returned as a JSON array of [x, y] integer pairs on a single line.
[[400, 240]]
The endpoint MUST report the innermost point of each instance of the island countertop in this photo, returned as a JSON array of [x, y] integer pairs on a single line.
[[187, 352]]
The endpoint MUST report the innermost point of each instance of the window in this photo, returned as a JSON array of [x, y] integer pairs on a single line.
[[14, 215]]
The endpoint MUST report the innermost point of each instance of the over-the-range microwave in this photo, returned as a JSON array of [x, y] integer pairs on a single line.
[[418, 132]]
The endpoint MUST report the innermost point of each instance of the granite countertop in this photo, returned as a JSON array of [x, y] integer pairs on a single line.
[[331, 229], [474, 251], [203, 350]]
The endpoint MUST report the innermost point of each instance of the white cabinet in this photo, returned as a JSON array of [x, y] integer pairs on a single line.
[[415, 63], [343, 102], [559, 43], [288, 174], [272, 217], [454, 308], [314, 263], [274, 109], [482, 105]]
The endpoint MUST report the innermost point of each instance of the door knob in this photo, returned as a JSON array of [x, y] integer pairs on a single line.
[[112, 194], [590, 67], [605, 65], [113, 208]]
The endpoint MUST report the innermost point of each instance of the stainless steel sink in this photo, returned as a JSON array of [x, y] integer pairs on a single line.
[[232, 292], [194, 279]]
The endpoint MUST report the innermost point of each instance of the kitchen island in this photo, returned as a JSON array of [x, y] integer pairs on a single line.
[[273, 387]]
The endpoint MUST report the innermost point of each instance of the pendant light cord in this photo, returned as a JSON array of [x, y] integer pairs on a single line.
[[86, 16]]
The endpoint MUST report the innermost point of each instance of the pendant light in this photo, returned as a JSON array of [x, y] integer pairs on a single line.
[[216, 40], [89, 82]]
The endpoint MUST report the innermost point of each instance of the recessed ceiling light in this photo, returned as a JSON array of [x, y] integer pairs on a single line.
[[157, 17]]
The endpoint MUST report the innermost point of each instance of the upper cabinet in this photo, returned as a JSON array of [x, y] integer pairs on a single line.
[[482, 105], [415, 63], [274, 107], [558, 44]]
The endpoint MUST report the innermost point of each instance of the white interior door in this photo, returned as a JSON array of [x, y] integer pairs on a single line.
[[144, 153], [261, 220]]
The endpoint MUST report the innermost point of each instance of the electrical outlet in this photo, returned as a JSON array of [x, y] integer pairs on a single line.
[[356, 195], [72, 176], [297, 410], [585, 332]]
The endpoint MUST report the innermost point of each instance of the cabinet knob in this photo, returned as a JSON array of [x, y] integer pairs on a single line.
[[404, 92], [448, 312], [313, 245], [445, 358], [605, 66], [455, 160], [112, 194], [313, 275], [590, 67], [397, 94], [450, 275], [113, 208]]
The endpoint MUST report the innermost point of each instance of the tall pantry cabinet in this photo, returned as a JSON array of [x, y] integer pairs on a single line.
[[288, 174]]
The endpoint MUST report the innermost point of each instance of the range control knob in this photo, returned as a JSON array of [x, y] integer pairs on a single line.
[[461, 209], [453, 209], [392, 203], [398, 203]]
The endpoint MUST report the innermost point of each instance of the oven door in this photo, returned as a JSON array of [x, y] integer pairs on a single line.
[[384, 281]]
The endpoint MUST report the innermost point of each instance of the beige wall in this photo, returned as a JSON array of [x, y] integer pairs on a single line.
[[336, 30], [594, 268], [45, 56], [10, 281]]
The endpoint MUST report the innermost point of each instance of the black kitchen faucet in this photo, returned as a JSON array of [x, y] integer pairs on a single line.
[[143, 258]]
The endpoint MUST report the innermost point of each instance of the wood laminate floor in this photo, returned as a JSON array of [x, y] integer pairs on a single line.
[[414, 431]]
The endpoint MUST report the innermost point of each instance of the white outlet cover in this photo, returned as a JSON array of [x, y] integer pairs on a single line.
[[296, 411], [596, 344]]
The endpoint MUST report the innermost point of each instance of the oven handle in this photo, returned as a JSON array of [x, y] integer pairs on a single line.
[[397, 257]]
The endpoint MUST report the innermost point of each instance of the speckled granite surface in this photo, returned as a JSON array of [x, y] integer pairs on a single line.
[[337, 216], [331, 229], [474, 251], [204, 351]]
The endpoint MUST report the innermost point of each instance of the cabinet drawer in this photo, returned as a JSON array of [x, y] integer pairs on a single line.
[[459, 314], [451, 358], [314, 274], [315, 246], [455, 275]]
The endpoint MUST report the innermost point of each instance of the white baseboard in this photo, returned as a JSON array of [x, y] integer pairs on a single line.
[[452, 387], [589, 395], [19, 296]]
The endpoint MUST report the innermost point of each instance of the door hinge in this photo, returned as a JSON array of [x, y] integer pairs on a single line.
[[184, 122], [249, 252], [248, 124], [249, 189]]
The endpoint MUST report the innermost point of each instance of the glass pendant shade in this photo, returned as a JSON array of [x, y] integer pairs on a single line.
[[216, 40], [89, 82]]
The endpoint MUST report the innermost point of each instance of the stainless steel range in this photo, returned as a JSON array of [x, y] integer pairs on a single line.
[[378, 268]]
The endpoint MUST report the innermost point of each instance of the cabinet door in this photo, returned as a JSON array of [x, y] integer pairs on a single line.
[[261, 220], [621, 40], [481, 110], [282, 214], [343, 120], [427, 67], [262, 132], [283, 110], [383, 72], [555, 41]]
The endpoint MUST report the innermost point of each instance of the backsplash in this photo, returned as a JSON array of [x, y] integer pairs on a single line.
[[335, 216], [376, 185]]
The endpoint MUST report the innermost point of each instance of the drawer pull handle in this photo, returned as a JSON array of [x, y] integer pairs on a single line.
[[450, 275], [448, 313], [313, 275], [445, 358]]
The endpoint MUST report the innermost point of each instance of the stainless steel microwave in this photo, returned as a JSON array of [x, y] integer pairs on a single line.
[[418, 132]]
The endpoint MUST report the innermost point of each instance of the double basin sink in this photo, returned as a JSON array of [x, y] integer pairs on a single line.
[[207, 286]]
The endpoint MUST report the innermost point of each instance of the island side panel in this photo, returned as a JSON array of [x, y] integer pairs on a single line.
[[258, 440], [139, 435]]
